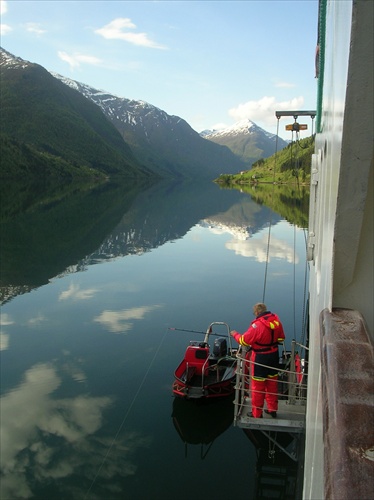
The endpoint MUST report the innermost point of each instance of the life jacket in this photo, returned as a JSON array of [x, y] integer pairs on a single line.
[[275, 328]]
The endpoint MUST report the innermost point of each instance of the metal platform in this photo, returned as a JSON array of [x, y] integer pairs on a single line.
[[290, 418], [291, 396]]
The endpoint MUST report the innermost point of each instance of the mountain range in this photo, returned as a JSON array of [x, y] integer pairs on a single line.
[[246, 140], [51, 124], [163, 143]]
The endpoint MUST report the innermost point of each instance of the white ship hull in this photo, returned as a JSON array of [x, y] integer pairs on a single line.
[[340, 250]]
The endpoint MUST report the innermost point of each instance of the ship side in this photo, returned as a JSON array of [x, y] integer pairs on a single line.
[[339, 448]]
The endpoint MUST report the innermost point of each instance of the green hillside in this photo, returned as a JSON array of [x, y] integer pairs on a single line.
[[289, 165], [48, 128]]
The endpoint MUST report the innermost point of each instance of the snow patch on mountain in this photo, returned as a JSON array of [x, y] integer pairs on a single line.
[[241, 233], [8, 60], [242, 127], [124, 110]]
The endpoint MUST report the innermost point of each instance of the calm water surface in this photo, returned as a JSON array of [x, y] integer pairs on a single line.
[[91, 284]]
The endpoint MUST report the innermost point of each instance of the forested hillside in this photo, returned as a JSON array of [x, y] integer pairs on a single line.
[[292, 164], [48, 128]]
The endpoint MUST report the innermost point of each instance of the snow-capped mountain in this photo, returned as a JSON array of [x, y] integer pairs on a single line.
[[49, 129], [164, 143], [10, 61], [158, 142], [246, 140], [245, 126], [118, 108]]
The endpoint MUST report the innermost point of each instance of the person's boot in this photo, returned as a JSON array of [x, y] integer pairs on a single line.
[[273, 414]]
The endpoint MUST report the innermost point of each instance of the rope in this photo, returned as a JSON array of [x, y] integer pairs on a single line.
[[276, 150], [126, 414], [295, 165], [267, 261], [270, 221], [279, 370], [294, 281]]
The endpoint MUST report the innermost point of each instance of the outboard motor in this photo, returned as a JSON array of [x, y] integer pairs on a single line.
[[220, 348]]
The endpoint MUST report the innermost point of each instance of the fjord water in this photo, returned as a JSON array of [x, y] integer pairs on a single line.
[[92, 281]]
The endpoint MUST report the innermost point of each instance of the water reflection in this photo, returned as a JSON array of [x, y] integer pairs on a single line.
[[5, 320], [264, 249], [87, 359], [74, 292], [277, 470], [91, 226], [122, 321], [46, 437], [35, 426], [201, 423], [56, 233]]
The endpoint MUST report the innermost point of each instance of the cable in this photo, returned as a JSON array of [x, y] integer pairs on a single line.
[[270, 221], [126, 414]]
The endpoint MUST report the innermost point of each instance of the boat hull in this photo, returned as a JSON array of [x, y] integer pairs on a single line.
[[215, 378], [205, 391]]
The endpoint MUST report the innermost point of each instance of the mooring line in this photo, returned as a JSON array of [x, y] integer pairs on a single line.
[[127, 414]]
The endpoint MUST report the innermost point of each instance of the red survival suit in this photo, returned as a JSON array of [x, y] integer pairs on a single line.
[[263, 336]]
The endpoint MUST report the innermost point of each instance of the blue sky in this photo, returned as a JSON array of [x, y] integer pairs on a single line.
[[212, 63]]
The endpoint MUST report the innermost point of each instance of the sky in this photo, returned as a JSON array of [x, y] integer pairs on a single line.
[[212, 63]]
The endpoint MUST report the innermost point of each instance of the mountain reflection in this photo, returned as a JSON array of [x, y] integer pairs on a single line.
[[86, 227]]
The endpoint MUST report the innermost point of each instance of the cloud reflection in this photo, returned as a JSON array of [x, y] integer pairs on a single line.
[[75, 293], [4, 341], [40, 318], [47, 438], [122, 321], [5, 320], [258, 249]]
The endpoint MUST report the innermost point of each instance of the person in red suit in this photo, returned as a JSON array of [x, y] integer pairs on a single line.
[[263, 337]]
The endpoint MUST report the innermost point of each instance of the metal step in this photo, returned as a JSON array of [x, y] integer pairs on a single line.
[[290, 418]]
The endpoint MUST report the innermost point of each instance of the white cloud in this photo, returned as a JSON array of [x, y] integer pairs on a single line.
[[263, 110], [122, 321], [116, 30], [35, 28], [75, 293], [76, 59], [3, 7], [5, 29], [258, 249]]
